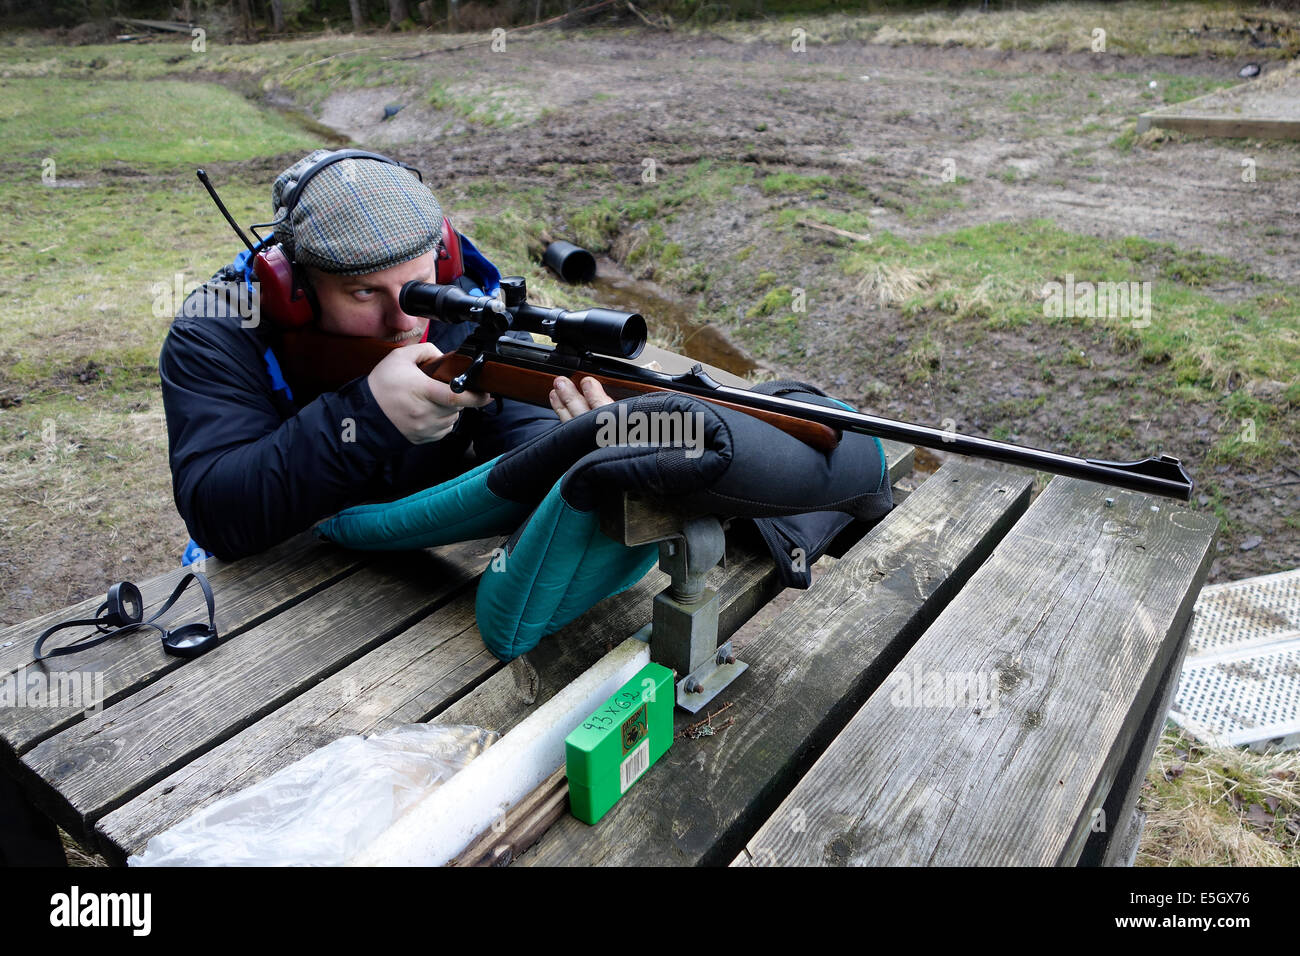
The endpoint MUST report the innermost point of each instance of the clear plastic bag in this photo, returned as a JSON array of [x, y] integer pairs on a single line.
[[323, 809]]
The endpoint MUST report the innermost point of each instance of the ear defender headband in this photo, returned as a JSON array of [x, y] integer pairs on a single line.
[[284, 292]]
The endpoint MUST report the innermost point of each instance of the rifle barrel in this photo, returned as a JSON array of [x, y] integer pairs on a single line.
[[1161, 476], [619, 332]]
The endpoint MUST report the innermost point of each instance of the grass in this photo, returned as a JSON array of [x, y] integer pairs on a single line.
[[924, 356], [997, 276], [503, 107], [786, 183], [848, 220], [932, 200], [1132, 28], [776, 300], [1219, 807], [83, 125], [66, 461], [79, 288]]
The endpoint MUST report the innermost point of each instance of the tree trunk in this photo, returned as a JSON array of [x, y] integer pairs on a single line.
[[397, 12], [245, 11], [358, 14], [277, 16]]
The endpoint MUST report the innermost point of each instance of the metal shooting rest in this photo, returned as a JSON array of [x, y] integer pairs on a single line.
[[683, 628]]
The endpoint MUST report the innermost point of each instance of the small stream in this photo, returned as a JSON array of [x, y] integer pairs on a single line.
[[309, 124], [665, 316]]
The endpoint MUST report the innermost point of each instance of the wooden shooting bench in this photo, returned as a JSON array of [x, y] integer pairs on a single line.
[[841, 744]]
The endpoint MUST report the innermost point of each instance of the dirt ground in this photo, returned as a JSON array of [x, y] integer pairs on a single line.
[[1033, 130], [891, 114]]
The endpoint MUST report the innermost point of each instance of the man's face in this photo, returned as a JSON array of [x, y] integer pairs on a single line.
[[366, 305]]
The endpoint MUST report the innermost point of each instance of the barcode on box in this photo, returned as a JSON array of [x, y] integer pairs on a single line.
[[635, 765]]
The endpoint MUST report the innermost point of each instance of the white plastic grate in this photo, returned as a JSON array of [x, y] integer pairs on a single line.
[[1243, 613], [1241, 680]]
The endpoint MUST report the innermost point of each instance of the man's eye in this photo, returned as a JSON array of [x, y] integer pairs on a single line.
[[363, 293]]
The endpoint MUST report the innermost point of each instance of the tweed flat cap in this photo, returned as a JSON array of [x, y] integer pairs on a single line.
[[355, 215]]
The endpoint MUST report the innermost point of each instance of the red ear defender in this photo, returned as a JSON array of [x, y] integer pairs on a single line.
[[288, 304], [283, 299], [450, 265]]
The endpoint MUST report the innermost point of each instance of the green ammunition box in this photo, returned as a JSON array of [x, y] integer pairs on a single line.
[[613, 747]]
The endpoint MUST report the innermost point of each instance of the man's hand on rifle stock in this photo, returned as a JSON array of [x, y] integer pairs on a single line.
[[568, 402], [421, 408]]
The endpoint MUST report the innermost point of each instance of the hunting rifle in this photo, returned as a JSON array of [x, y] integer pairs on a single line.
[[489, 361]]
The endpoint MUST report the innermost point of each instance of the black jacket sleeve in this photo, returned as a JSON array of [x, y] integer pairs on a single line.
[[244, 477]]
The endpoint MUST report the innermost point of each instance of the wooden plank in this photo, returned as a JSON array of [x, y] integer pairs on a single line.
[[424, 673], [421, 673], [1073, 620], [1221, 93], [420, 669], [1232, 127], [1125, 846], [166, 26], [807, 674], [97, 765], [246, 593], [14, 637], [1110, 843], [521, 826], [448, 819]]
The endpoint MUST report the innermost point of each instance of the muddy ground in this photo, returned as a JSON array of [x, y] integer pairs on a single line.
[[887, 116]]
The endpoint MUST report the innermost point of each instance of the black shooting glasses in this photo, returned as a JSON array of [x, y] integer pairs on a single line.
[[123, 613]]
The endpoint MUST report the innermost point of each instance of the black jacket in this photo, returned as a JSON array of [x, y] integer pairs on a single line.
[[252, 466]]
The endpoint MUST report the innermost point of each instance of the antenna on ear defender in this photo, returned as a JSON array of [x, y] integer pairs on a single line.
[[286, 297], [203, 178]]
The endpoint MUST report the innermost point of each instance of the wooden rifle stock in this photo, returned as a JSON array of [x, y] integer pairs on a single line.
[[316, 362], [534, 387]]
